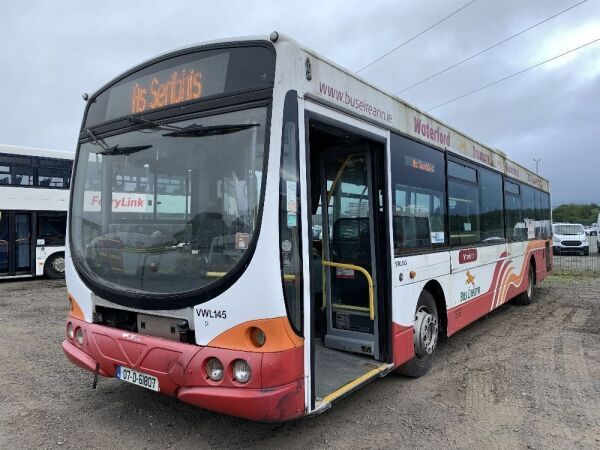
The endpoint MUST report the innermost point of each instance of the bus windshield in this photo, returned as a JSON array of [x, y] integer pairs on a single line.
[[163, 212]]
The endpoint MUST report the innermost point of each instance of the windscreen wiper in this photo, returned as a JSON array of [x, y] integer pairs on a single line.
[[193, 130], [116, 150], [196, 130], [152, 123]]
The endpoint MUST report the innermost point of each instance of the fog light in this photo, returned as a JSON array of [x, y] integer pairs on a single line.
[[79, 336], [241, 371], [70, 331], [214, 369], [257, 336]]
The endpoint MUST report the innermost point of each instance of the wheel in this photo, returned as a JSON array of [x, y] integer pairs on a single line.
[[586, 253], [425, 337], [526, 298], [55, 266], [598, 246]]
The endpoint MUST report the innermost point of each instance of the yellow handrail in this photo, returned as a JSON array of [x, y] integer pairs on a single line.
[[359, 269]]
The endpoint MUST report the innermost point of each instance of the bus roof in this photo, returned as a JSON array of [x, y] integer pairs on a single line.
[[31, 151]]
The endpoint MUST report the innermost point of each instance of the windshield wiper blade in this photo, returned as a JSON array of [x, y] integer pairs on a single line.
[[195, 130], [152, 123], [116, 150]]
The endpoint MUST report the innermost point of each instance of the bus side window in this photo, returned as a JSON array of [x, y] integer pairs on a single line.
[[419, 196]]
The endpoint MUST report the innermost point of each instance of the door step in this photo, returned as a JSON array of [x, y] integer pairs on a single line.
[[378, 372]]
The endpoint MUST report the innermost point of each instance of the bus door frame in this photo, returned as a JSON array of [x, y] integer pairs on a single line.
[[309, 110]]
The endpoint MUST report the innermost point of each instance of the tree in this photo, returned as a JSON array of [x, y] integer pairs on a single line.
[[573, 213]]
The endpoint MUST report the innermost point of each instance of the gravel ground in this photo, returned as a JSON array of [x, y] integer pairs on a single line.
[[523, 377]]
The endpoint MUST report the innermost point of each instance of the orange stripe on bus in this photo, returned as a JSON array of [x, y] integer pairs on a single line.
[[279, 336], [75, 310]]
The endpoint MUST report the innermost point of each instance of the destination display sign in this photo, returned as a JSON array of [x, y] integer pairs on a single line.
[[178, 84], [184, 79]]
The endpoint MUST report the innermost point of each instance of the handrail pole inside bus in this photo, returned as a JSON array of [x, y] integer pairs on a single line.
[[359, 269]]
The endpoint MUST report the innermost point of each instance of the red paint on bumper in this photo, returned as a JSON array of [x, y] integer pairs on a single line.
[[403, 344], [80, 358], [268, 405], [274, 393]]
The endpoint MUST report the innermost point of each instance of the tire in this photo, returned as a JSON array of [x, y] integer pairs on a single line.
[[55, 266], [526, 298], [426, 318], [586, 253], [598, 246]]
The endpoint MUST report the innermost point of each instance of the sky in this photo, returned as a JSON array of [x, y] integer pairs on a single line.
[[53, 51]]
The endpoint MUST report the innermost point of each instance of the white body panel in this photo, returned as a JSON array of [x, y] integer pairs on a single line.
[[17, 198], [42, 253]]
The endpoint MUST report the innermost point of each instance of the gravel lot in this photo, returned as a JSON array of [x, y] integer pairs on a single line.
[[523, 377]]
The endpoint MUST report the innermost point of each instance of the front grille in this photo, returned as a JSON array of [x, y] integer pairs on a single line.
[[571, 243]]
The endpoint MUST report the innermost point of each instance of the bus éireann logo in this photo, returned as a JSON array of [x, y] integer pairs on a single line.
[[470, 291], [470, 279]]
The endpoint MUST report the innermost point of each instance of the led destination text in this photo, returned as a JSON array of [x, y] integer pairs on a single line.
[[180, 86]]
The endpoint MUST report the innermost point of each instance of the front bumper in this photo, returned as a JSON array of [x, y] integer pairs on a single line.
[[274, 393], [559, 248]]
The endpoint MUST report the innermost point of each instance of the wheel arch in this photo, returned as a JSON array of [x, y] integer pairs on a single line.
[[54, 253], [436, 290], [533, 264]]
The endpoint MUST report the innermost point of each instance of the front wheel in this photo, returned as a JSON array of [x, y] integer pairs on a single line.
[[425, 338], [55, 266]]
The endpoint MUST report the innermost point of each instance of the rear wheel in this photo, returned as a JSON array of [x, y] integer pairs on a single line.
[[526, 298], [426, 330], [55, 266]]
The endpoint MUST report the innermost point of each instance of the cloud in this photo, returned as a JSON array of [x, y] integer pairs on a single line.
[[52, 52]]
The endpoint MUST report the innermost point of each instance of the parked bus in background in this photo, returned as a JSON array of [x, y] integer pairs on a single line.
[[259, 232], [34, 197]]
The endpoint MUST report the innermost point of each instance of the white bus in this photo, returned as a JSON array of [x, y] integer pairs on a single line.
[[258, 231], [34, 198]]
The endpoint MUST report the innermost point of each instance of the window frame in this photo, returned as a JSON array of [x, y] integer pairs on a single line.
[[35, 163], [464, 162], [291, 115]]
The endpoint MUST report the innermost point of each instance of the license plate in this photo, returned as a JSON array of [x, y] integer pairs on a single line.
[[138, 378]]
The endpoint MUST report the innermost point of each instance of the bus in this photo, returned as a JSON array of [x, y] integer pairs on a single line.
[[259, 232], [34, 198]]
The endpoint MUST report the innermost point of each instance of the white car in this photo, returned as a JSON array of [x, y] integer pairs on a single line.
[[570, 238], [592, 230]]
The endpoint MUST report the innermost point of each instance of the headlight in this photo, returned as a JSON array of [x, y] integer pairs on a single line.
[[214, 369], [555, 239], [241, 371], [79, 336], [70, 331]]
